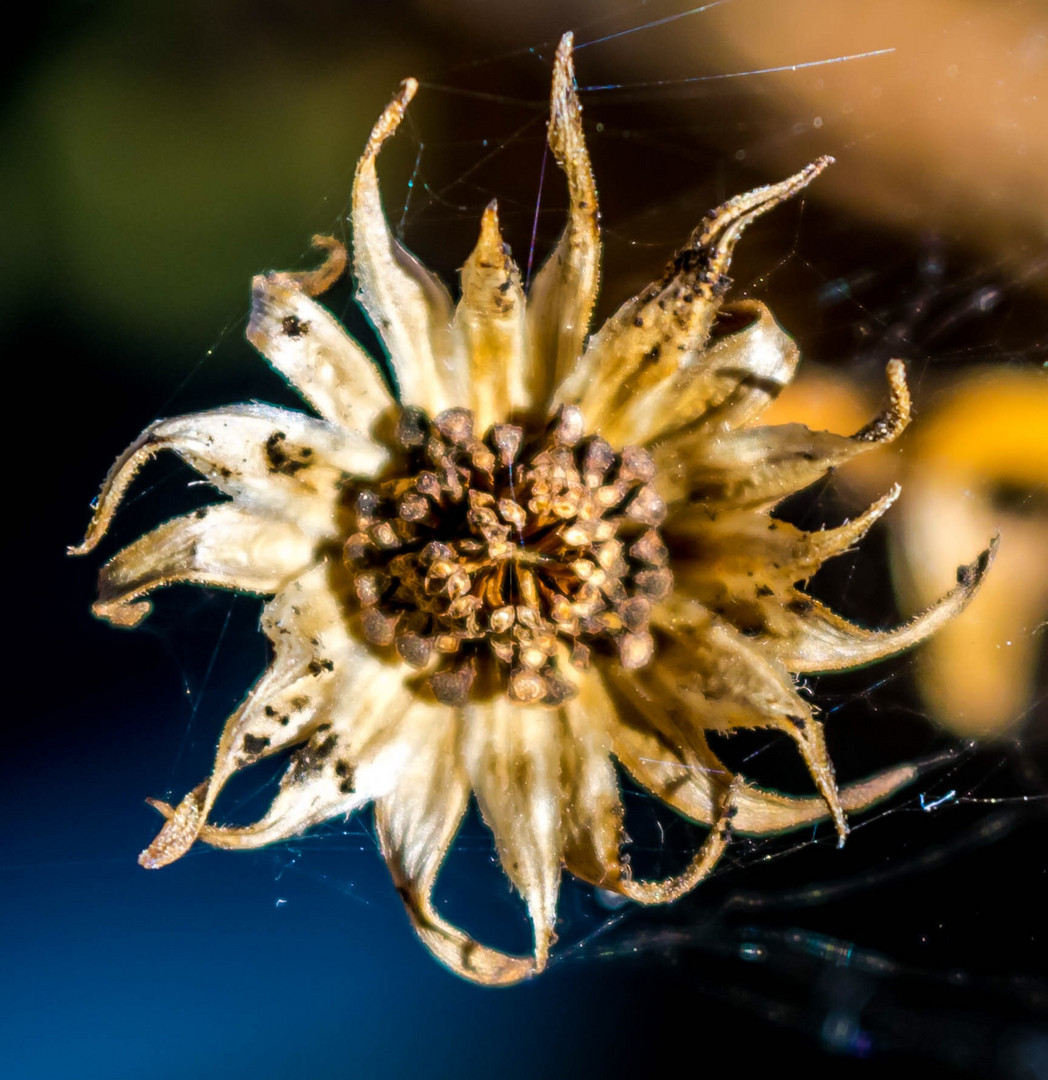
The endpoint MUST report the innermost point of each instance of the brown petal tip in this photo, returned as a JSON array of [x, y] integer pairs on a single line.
[[970, 575], [180, 831]]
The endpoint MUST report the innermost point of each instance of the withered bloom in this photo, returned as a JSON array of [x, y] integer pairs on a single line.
[[539, 555]]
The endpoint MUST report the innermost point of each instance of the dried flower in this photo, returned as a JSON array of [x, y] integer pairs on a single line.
[[541, 555]]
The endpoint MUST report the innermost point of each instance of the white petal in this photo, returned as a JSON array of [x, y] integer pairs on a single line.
[[729, 383], [490, 318], [513, 756], [758, 467], [739, 553], [814, 639], [223, 546], [416, 822], [592, 810], [353, 757], [408, 305], [306, 626], [270, 460], [309, 347], [656, 339], [562, 295], [692, 779]]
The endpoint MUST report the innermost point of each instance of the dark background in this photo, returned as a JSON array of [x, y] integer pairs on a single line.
[[155, 158]]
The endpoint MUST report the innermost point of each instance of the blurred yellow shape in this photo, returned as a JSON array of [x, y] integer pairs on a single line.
[[986, 438], [976, 464]]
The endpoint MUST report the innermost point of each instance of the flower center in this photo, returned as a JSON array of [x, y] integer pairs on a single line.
[[491, 562]]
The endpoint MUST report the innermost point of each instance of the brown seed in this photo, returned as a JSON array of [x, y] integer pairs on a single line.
[[533, 657], [379, 628], [356, 548], [507, 439], [512, 512], [452, 686], [367, 504], [583, 569], [414, 649], [458, 583], [650, 549], [580, 656], [411, 428], [569, 426], [637, 464], [605, 529], [504, 650], [647, 507], [609, 554], [429, 484], [370, 586], [558, 690], [528, 619], [413, 507], [383, 535], [526, 686], [482, 458], [456, 425], [635, 613], [501, 619], [435, 551], [654, 583], [463, 607], [598, 457], [635, 650]]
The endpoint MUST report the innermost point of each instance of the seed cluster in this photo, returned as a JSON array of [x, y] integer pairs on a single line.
[[489, 562]]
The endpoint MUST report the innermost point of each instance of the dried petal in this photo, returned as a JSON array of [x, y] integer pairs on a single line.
[[513, 756], [408, 305], [757, 467], [562, 296], [648, 343], [816, 640], [223, 546], [308, 346], [490, 317], [270, 460]]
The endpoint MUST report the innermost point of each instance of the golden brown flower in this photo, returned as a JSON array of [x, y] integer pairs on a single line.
[[539, 555]]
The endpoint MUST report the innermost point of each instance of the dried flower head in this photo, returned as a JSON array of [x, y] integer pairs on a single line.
[[537, 555]]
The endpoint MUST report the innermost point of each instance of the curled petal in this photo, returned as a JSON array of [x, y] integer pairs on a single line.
[[561, 298], [760, 812], [490, 318], [702, 863], [306, 626], [812, 639], [269, 460], [223, 546], [656, 340], [513, 756], [710, 677], [592, 810], [354, 756], [729, 383], [729, 560], [416, 822], [692, 779], [309, 347], [409, 306], [673, 762], [757, 467]]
